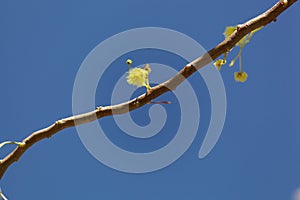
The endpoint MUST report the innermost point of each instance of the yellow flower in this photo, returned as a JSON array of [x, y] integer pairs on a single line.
[[138, 77], [218, 64], [240, 76], [129, 62]]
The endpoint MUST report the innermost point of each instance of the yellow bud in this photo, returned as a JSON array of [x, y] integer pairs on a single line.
[[129, 62], [284, 2], [231, 63]]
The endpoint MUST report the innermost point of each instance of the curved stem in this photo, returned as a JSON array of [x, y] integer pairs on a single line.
[[240, 59]]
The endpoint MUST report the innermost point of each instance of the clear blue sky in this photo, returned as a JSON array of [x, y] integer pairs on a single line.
[[42, 45]]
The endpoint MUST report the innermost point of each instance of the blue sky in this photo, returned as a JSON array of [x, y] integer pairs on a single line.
[[42, 45]]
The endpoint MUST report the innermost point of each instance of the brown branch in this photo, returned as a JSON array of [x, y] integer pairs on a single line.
[[242, 30]]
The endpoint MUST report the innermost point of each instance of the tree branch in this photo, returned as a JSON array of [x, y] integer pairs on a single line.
[[225, 46]]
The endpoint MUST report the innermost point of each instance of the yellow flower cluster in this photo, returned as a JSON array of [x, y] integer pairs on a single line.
[[138, 76], [240, 76]]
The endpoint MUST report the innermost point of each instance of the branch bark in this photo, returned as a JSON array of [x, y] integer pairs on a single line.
[[243, 29]]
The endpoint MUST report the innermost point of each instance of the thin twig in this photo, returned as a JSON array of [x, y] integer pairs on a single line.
[[242, 30]]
